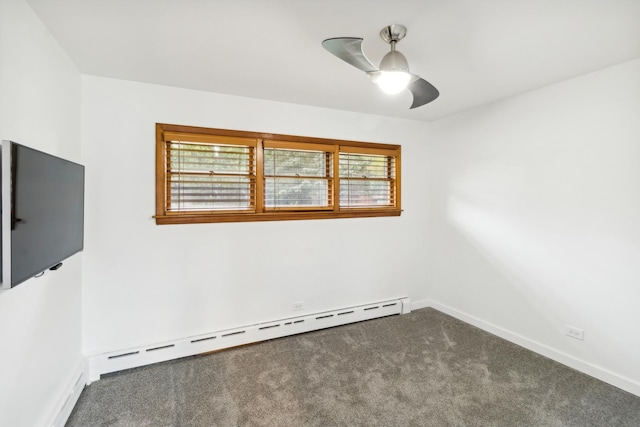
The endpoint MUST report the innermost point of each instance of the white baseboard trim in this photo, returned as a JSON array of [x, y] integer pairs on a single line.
[[600, 373], [217, 340], [71, 394], [417, 305]]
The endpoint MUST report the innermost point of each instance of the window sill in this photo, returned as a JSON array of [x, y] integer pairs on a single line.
[[272, 216]]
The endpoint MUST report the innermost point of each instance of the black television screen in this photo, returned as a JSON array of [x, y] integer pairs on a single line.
[[47, 211]]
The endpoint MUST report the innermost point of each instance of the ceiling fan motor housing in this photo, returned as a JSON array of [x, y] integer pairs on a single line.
[[394, 61]]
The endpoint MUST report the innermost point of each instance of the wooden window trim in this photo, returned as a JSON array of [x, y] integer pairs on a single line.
[[208, 135]]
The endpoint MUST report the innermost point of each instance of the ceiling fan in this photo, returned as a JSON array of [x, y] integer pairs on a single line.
[[393, 75]]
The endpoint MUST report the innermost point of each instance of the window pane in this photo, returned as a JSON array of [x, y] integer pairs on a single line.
[[209, 193], [365, 193], [209, 158], [291, 192], [366, 166], [278, 162]]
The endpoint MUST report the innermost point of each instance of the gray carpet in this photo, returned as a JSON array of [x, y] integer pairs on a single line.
[[420, 369]]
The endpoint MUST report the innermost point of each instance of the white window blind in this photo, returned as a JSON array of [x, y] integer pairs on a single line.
[[209, 176], [367, 180], [297, 179]]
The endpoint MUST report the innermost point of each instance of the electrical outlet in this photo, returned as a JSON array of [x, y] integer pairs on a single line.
[[574, 332], [298, 306]]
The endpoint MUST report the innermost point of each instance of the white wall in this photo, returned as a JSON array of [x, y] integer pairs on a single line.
[[145, 283], [40, 320], [535, 221]]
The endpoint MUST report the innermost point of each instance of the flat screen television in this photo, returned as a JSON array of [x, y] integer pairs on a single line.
[[42, 212]]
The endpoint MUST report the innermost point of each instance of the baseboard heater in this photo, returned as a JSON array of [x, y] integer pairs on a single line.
[[218, 340]]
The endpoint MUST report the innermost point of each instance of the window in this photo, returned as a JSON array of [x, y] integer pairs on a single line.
[[367, 179], [298, 176], [216, 175]]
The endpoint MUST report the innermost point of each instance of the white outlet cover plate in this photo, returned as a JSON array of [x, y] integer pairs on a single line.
[[574, 332]]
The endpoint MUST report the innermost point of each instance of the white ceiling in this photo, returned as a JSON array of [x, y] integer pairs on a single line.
[[473, 51]]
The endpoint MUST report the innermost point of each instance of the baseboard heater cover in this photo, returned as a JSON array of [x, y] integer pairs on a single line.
[[160, 352]]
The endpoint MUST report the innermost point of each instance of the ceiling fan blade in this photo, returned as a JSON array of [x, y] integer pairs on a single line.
[[423, 92], [349, 49]]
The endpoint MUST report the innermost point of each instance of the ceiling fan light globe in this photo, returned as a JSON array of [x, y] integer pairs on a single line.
[[392, 82]]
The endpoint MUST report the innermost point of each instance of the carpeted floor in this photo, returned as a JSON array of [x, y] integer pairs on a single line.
[[419, 369]]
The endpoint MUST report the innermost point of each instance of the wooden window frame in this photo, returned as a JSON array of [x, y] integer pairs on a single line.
[[200, 134]]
